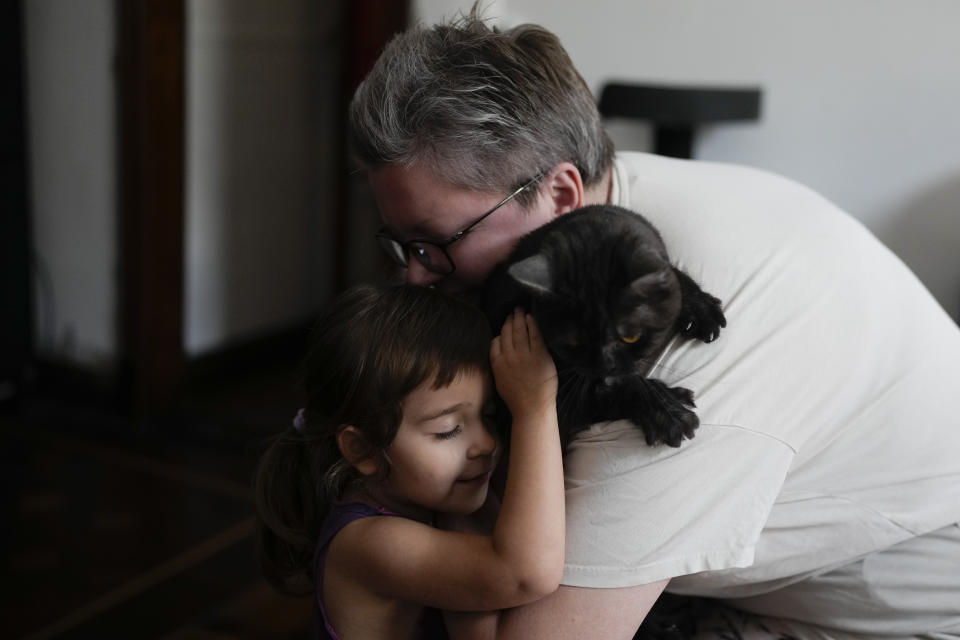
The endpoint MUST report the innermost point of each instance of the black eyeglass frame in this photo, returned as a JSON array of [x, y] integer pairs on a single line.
[[402, 251]]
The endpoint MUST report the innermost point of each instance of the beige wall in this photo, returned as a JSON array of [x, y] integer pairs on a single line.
[[860, 101], [262, 81], [262, 86], [71, 146]]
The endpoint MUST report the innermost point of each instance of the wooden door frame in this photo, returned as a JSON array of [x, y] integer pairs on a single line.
[[151, 153]]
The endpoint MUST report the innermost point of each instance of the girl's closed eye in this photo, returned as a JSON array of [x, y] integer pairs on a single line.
[[446, 435]]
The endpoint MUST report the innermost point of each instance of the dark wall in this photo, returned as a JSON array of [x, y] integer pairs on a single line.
[[15, 300]]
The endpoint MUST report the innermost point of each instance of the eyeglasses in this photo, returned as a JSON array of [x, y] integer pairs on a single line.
[[434, 255]]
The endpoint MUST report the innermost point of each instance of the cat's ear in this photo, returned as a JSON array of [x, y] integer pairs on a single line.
[[533, 273], [655, 284]]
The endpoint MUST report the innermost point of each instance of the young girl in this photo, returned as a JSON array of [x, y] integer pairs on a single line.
[[397, 431]]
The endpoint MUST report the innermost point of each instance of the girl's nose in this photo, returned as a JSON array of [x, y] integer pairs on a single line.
[[483, 443]]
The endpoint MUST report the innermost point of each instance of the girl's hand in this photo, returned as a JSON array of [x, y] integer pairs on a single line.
[[524, 372]]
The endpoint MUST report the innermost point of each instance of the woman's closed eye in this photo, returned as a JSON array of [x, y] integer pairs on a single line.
[[446, 435]]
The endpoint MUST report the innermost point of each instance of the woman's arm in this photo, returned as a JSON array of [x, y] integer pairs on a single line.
[[578, 612], [472, 625]]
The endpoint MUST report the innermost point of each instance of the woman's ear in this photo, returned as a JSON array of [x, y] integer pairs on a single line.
[[355, 450], [564, 187]]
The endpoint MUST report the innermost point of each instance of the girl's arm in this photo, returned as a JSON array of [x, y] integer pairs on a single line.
[[468, 625], [473, 625], [531, 523], [522, 560]]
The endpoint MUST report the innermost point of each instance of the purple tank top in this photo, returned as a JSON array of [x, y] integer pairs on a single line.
[[341, 514]]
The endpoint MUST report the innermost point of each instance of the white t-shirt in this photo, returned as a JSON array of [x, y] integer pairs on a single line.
[[828, 424]]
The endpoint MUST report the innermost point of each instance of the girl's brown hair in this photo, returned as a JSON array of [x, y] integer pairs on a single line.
[[370, 348]]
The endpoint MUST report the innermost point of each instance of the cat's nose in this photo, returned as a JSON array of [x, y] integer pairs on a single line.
[[608, 358]]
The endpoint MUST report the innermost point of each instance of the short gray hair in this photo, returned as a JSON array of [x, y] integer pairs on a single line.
[[483, 109]]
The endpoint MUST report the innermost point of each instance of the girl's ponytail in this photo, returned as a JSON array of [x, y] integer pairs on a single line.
[[293, 493]]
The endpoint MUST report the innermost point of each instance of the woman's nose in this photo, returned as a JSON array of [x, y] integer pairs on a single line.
[[417, 274]]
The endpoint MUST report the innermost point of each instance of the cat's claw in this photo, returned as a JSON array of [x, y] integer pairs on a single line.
[[674, 421], [704, 317]]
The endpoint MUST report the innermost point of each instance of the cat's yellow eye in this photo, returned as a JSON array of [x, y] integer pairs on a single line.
[[630, 339]]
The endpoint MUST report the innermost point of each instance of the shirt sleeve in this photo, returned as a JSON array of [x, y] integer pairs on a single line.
[[638, 514]]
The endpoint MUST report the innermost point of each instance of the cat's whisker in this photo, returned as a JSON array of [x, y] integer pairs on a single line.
[[673, 371]]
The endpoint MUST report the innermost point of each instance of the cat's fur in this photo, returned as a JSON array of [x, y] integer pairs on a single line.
[[591, 278]]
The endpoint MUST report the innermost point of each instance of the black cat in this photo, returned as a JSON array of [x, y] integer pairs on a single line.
[[600, 285]]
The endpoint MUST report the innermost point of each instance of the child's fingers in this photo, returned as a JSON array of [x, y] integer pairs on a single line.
[[495, 348], [521, 337], [533, 330], [506, 334]]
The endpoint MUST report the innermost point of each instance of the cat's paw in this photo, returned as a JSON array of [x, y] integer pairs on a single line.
[[702, 317], [674, 420]]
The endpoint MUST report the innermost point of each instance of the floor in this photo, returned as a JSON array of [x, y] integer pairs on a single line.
[[121, 528]]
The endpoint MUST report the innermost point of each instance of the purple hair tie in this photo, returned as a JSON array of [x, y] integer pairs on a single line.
[[300, 420]]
